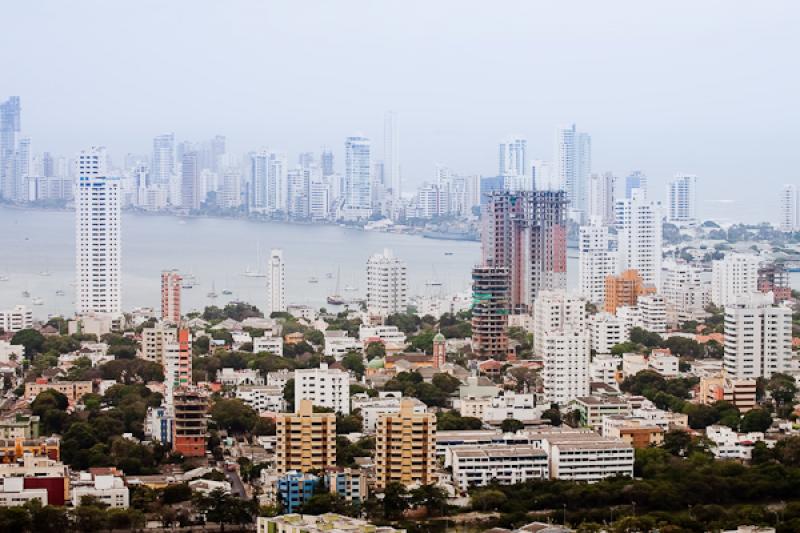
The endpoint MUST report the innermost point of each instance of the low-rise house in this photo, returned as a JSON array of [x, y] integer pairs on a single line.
[[262, 398], [273, 345], [108, 488], [592, 409], [235, 378]]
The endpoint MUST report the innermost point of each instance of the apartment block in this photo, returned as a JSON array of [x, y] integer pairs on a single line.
[[405, 450], [306, 441], [478, 466]]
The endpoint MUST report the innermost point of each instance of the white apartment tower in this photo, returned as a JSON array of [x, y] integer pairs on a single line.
[[325, 387], [601, 197], [566, 358], [685, 292], [556, 312], [513, 164], [357, 173], [276, 283], [789, 209], [97, 235], [639, 229], [163, 158], [733, 276], [387, 284], [391, 154], [683, 198], [758, 337], [596, 261], [573, 166]]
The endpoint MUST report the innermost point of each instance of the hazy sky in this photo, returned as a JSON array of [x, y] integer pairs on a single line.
[[706, 87]]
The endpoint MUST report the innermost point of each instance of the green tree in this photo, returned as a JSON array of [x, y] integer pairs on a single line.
[[32, 340], [511, 425], [487, 499], [553, 415], [676, 442], [354, 362], [233, 415], [395, 500], [755, 420], [432, 497], [375, 349]]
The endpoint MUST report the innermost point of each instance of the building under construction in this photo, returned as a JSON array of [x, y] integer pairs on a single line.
[[490, 310], [526, 234]]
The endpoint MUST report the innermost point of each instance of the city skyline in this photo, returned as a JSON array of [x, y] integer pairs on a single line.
[[680, 99]]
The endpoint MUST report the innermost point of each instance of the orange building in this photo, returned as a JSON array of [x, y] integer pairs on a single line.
[[171, 296], [12, 450], [190, 426], [624, 290]]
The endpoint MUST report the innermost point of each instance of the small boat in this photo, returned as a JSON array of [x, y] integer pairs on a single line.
[[253, 273], [350, 288], [335, 299], [313, 280], [329, 275], [44, 273], [187, 285], [26, 294], [3, 278], [448, 253], [227, 292], [433, 283], [59, 292], [213, 293], [37, 301]]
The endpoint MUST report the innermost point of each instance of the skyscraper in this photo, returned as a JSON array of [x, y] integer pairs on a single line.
[[635, 180], [190, 182], [732, 277], [326, 162], [163, 158], [171, 296], [9, 131], [639, 228], [357, 175], [513, 164], [789, 209], [573, 164], [683, 198], [276, 283], [387, 285], [490, 310], [391, 155], [601, 197], [97, 232], [525, 233], [596, 261]]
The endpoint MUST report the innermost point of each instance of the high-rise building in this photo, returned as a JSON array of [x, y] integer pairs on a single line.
[[276, 283], [635, 180], [683, 198], [391, 155], [10, 112], [525, 233], [789, 209], [758, 337], [357, 174], [324, 387], [230, 191], [326, 163], [319, 199], [306, 441], [596, 260], [601, 197], [490, 310], [733, 276], [639, 228], [513, 163], [171, 296], [556, 311], [190, 428], [191, 191], [387, 284], [566, 357], [685, 291], [97, 235], [23, 163], [299, 184], [624, 290], [774, 277], [177, 362], [573, 166], [405, 447], [163, 166]]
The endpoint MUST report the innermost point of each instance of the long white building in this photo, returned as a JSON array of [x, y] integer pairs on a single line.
[[555, 312], [733, 276], [477, 466], [789, 209], [276, 283], [16, 319], [566, 357], [325, 387], [758, 337], [573, 166], [387, 284], [639, 226], [596, 261], [98, 244]]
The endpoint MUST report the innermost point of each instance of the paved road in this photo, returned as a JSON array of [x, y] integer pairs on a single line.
[[237, 487]]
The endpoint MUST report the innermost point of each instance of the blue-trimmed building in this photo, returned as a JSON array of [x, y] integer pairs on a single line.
[[295, 488]]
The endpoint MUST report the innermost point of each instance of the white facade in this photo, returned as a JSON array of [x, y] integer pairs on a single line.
[[733, 276], [338, 344], [556, 311], [97, 235], [653, 311], [758, 337], [566, 365], [603, 369], [573, 166], [262, 398], [596, 261], [386, 334], [513, 157], [518, 406], [235, 378], [639, 227], [607, 331], [16, 319], [324, 387], [276, 283], [111, 490], [387, 285], [385, 403], [789, 209], [588, 457], [358, 190], [683, 199], [273, 345], [477, 466], [602, 195], [685, 292]]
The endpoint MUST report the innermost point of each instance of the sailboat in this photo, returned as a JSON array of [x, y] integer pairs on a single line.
[[336, 298], [213, 293]]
